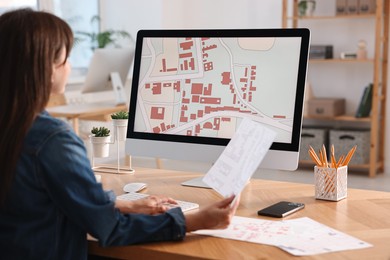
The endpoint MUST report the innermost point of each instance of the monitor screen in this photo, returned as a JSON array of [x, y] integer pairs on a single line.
[[192, 88]]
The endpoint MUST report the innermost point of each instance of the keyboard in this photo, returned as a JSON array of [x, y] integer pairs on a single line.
[[184, 205]]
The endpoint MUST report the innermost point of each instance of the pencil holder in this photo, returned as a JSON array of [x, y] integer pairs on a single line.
[[330, 183]]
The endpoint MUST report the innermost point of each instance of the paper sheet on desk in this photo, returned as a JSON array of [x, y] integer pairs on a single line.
[[241, 157], [299, 237]]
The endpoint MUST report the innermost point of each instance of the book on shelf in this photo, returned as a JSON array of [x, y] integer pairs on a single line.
[[365, 104]]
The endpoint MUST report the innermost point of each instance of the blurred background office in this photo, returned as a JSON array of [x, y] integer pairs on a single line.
[[133, 15]]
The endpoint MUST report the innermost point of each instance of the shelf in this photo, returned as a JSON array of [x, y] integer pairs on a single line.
[[340, 118], [341, 60], [380, 42], [331, 17]]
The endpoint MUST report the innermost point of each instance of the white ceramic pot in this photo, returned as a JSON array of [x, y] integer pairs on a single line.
[[311, 6], [120, 129], [100, 146], [306, 7]]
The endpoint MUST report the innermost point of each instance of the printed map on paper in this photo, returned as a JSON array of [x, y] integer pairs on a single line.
[[301, 236]]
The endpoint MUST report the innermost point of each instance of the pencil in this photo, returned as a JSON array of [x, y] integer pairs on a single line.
[[321, 158], [332, 157], [349, 155], [334, 163], [324, 154], [314, 158], [340, 161], [313, 153]]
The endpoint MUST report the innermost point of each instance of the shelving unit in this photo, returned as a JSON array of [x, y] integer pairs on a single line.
[[379, 61]]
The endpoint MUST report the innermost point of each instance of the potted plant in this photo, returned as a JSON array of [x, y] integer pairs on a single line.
[[104, 38], [306, 7], [119, 121], [100, 140]]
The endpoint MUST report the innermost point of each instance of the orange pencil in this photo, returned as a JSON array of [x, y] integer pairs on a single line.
[[314, 158], [321, 158], [333, 160], [332, 157], [311, 149], [349, 155], [324, 154], [339, 163]]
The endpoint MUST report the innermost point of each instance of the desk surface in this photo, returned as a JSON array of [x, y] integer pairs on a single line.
[[364, 214], [90, 111], [85, 110]]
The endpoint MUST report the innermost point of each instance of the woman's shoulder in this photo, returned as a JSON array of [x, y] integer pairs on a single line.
[[46, 127], [46, 124]]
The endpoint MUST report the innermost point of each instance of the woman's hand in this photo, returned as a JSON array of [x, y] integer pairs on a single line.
[[214, 216], [150, 205]]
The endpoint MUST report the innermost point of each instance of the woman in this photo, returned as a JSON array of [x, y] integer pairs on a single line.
[[49, 199]]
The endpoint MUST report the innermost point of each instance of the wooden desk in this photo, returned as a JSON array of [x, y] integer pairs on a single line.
[[75, 112], [364, 214]]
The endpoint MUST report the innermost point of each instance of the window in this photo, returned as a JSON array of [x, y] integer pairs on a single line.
[[78, 15], [6, 5]]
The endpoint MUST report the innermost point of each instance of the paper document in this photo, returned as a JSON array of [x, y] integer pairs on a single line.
[[241, 157], [301, 236]]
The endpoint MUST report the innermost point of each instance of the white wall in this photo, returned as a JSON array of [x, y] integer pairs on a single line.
[[221, 14], [132, 15]]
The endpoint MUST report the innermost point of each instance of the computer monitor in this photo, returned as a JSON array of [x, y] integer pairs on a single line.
[[108, 70], [192, 88]]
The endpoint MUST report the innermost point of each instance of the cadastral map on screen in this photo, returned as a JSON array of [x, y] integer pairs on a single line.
[[206, 86]]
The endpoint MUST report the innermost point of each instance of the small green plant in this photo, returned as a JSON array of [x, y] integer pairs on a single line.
[[104, 38], [100, 132], [120, 115]]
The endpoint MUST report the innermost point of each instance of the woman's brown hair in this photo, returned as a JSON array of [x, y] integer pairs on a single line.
[[30, 43]]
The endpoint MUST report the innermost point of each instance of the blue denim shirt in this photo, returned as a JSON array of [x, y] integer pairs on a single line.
[[55, 201]]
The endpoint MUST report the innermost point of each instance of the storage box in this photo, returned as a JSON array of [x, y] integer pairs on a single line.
[[367, 6], [326, 107], [344, 140], [341, 7], [314, 137], [352, 6], [321, 52]]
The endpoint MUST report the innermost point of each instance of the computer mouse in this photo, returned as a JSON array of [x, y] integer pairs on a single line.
[[134, 187], [98, 178]]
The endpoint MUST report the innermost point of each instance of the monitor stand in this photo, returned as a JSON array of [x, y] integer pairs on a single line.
[[118, 88], [197, 182]]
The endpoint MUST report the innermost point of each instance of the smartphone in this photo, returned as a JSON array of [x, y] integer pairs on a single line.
[[281, 209]]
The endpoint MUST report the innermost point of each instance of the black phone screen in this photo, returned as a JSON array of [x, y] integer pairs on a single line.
[[281, 209]]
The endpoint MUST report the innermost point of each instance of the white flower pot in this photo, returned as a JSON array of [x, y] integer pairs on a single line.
[[306, 7], [120, 129], [311, 6], [100, 146]]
